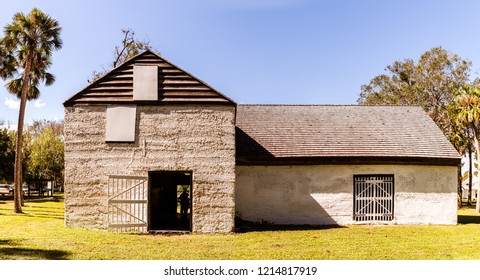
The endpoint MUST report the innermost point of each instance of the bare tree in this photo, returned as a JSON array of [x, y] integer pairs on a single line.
[[129, 48]]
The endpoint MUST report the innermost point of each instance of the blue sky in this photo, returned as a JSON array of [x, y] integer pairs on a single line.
[[254, 51]]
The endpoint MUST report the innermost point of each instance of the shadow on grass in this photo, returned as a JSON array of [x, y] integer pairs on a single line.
[[8, 242], [41, 199], [263, 227], [243, 226], [36, 214], [46, 216], [32, 254], [9, 250], [467, 219], [36, 199]]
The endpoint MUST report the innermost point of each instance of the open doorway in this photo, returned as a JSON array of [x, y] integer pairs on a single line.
[[169, 200]]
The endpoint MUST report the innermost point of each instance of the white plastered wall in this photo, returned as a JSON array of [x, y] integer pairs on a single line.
[[323, 195]]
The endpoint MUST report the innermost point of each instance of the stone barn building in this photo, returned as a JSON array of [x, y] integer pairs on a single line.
[[149, 147], [138, 136]]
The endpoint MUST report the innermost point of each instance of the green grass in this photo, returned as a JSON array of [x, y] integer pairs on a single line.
[[39, 233]]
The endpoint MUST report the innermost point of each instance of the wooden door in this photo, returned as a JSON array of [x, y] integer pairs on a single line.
[[127, 203]]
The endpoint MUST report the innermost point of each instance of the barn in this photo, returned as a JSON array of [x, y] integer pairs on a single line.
[[137, 138], [317, 164], [150, 147]]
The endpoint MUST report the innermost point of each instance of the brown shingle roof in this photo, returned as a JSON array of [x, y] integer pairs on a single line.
[[174, 85], [277, 133]]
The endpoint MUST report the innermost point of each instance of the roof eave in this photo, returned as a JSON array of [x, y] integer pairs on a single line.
[[145, 103], [346, 160]]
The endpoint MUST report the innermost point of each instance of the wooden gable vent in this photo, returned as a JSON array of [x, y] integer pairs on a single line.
[[148, 79], [145, 82]]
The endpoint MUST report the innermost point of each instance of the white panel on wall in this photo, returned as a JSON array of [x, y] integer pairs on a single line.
[[145, 82], [120, 124]]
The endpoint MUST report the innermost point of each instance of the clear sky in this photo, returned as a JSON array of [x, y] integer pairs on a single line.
[[254, 51]]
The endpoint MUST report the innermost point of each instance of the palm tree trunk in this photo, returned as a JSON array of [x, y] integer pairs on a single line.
[[477, 149], [18, 178], [18, 158], [459, 186], [470, 179]]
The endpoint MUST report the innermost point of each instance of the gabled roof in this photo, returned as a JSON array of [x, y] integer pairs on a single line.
[[175, 85], [311, 134]]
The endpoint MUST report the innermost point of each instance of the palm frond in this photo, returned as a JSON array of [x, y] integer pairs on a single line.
[[29, 39]]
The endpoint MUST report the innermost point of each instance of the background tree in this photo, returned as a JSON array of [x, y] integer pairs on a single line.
[[46, 151], [28, 43], [458, 135], [129, 48], [38, 126], [7, 154], [467, 107], [429, 82]]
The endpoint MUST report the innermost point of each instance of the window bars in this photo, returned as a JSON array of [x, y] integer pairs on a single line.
[[373, 198]]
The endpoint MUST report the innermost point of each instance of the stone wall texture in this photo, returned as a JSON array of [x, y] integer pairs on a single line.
[[200, 139], [323, 195]]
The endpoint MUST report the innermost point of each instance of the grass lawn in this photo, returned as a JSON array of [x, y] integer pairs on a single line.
[[39, 233]]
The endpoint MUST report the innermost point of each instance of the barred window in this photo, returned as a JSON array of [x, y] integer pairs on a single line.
[[373, 197]]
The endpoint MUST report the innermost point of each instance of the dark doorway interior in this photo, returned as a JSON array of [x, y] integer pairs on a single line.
[[170, 193]]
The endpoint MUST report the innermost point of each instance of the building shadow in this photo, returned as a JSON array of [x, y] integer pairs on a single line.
[[242, 226], [9, 250], [467, 219], [32, 254]]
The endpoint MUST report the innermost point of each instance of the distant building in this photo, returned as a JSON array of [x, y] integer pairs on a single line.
[[465, 183], [147, 131], [465, 188]]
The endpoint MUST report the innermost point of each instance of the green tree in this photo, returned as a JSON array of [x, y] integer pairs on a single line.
[[46, 158], [7, 155], [129, 48], [460, 137], [7, 62], [467, 107], [428, 82], [28, 42]]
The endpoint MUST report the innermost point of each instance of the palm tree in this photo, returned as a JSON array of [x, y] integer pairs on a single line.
[[458, 135], [7, 62], [28, 44], [467, 105]]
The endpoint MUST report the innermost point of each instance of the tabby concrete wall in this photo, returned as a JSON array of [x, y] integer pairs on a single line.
[[323, 195], [198, 139]]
